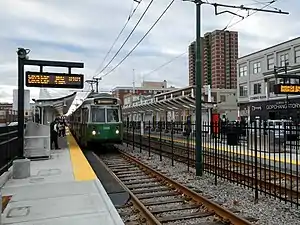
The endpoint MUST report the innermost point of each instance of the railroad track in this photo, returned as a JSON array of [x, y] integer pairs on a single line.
[[157, 199], [230, 167]]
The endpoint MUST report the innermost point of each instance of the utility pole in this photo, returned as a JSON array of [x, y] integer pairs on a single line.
[[287, 95], [286, 80], [199, 153]]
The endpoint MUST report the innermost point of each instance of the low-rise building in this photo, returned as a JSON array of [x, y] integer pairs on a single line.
[[7, 114], [147, 88], [256, 80]]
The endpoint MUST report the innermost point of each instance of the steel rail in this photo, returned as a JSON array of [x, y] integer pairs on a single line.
[[225, 214], [235, 175]]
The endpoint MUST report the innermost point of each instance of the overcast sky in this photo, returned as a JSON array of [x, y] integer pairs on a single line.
[[76, 30]]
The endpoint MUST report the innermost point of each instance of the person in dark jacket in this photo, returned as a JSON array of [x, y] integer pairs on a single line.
[[64, 128], [54, 133]]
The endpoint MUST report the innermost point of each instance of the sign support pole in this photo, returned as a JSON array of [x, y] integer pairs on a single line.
[[22, 62], [21, 106]]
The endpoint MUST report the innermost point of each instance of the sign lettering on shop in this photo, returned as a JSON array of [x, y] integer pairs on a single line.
[[279, 105], [283, 106]]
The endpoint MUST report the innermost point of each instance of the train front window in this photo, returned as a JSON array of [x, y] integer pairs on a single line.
[[112, 115], [98, 115]]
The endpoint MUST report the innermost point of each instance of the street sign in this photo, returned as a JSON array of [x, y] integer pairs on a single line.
[[54, 80], [287, 89]]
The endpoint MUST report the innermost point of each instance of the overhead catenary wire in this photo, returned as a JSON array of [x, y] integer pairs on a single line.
[[115, 55], [227, 26], [268, 4], [118, 36], [145, 35], [250, 14], [165, 64]]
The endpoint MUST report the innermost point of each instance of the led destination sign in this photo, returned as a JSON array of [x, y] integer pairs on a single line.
[[54, 80], [105, 101], [287, 89]]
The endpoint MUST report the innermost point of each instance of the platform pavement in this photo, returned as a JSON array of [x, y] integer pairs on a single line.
[[63, 190]]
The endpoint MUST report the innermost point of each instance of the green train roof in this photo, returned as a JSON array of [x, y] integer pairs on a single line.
[[94, 95], [99, 95]]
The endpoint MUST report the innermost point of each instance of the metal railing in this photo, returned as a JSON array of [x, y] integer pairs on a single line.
[[8, 147], [263, 158]]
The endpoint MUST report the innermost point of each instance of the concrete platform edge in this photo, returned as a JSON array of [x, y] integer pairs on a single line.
[[5, 177], [112, 210]]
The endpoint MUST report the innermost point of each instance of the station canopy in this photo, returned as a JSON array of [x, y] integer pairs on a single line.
[[61, 104], [177, 100]]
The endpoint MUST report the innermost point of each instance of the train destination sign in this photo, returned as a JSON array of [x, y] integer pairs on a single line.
[[54, 80], [287, 89], [107, 101]]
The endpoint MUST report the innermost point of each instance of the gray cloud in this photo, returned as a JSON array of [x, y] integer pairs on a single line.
[[84, 30]]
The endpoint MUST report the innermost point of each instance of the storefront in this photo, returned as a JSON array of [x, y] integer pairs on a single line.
[[275, 109]]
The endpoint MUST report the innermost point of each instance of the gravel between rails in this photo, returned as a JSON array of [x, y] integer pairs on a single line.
[[268, 209]]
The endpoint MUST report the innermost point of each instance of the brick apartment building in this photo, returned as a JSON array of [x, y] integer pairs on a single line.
[[219, 57], [192, 62], [147, 88]]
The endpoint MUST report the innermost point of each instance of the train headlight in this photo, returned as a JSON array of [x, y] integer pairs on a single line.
[[117, 131], [93, 132]]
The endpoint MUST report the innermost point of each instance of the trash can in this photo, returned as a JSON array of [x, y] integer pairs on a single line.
[[232, 138]]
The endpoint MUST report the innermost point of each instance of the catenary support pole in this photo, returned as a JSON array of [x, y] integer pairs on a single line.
[[199, 161]]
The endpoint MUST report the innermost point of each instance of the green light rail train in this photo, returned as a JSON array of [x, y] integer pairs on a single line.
[[97, 121]]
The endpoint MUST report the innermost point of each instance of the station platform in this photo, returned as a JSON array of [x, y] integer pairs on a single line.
[[63, 190], [243, 151]]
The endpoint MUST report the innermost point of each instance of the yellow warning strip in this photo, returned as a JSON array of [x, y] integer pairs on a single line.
[[82, 170], [282, 159], [5, 200]]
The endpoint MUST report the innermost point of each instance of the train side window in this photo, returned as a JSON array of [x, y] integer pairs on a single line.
[[85, 114], [78, 117]]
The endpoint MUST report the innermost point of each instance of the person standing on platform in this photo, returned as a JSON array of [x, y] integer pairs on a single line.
[[64, 127], [54, 133], [60, 129]]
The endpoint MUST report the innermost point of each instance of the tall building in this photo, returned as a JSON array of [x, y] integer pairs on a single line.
[[192, 62], [219, 57]]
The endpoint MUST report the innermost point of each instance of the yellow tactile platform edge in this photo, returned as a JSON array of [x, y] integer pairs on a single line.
[[82, 170], [238, 151]]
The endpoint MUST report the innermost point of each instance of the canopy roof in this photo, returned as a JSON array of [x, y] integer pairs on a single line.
[[61, 104], [180, 99]]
